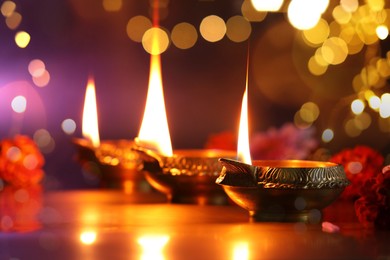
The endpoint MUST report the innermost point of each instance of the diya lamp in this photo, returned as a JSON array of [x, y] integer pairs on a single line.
[[184, 176], [114, 161], [279, 190]]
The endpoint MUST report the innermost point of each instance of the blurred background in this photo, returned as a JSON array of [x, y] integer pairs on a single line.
[[327, 73]]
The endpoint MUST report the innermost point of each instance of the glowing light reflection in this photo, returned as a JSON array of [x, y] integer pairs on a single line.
[[88, 237], [241, 251], [152, 246]]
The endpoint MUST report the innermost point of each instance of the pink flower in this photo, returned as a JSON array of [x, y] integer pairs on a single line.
[[288, 142]]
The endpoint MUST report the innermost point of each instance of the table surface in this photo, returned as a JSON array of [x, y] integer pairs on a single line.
[[109, 224]]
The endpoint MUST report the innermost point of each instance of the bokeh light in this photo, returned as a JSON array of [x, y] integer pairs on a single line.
[[374, 102], [334, 50], [22, 39], [184, 35], [13, 153], [36, 68], [68, 126], [350, 5], [155, 41], [267, 5], [357, 106], [250, 13], [383, 68], [327, 135], [13, 21], [354, 167], [30, 161], [303, 14], [341, 15], [382, 31], [351, 129], [384, 110], [44, 140], [8, 8], [376, 5], [137, 26], [309, 112], [315, 67], [42, 80], [362, 121], [318, 34], [212, 28], [19, 104], [112, 5], [238, 28]]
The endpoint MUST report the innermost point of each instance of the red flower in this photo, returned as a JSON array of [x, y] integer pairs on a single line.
[[20, 207], [360, 164], [224, 141], [373, 208], [20, 161]]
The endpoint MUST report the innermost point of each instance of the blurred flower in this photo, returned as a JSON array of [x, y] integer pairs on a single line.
[[20, 161], [373, 207], [360, 164], [225, 141], [288, 142], [20, 208]]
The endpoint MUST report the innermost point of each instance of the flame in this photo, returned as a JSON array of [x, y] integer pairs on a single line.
[[90, 126], [154, 131], [243, 150]]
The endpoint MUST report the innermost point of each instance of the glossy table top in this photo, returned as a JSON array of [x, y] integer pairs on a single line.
[[109, 224]]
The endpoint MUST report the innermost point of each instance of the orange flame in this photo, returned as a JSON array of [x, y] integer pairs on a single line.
[[243, 150], [154, 131], [90, 128]]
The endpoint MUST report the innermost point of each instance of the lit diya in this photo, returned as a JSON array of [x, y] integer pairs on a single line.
[[280, 190], [112, 161], [185, 176]]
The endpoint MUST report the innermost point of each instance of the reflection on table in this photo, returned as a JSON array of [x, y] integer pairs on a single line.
[[107, 224]]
